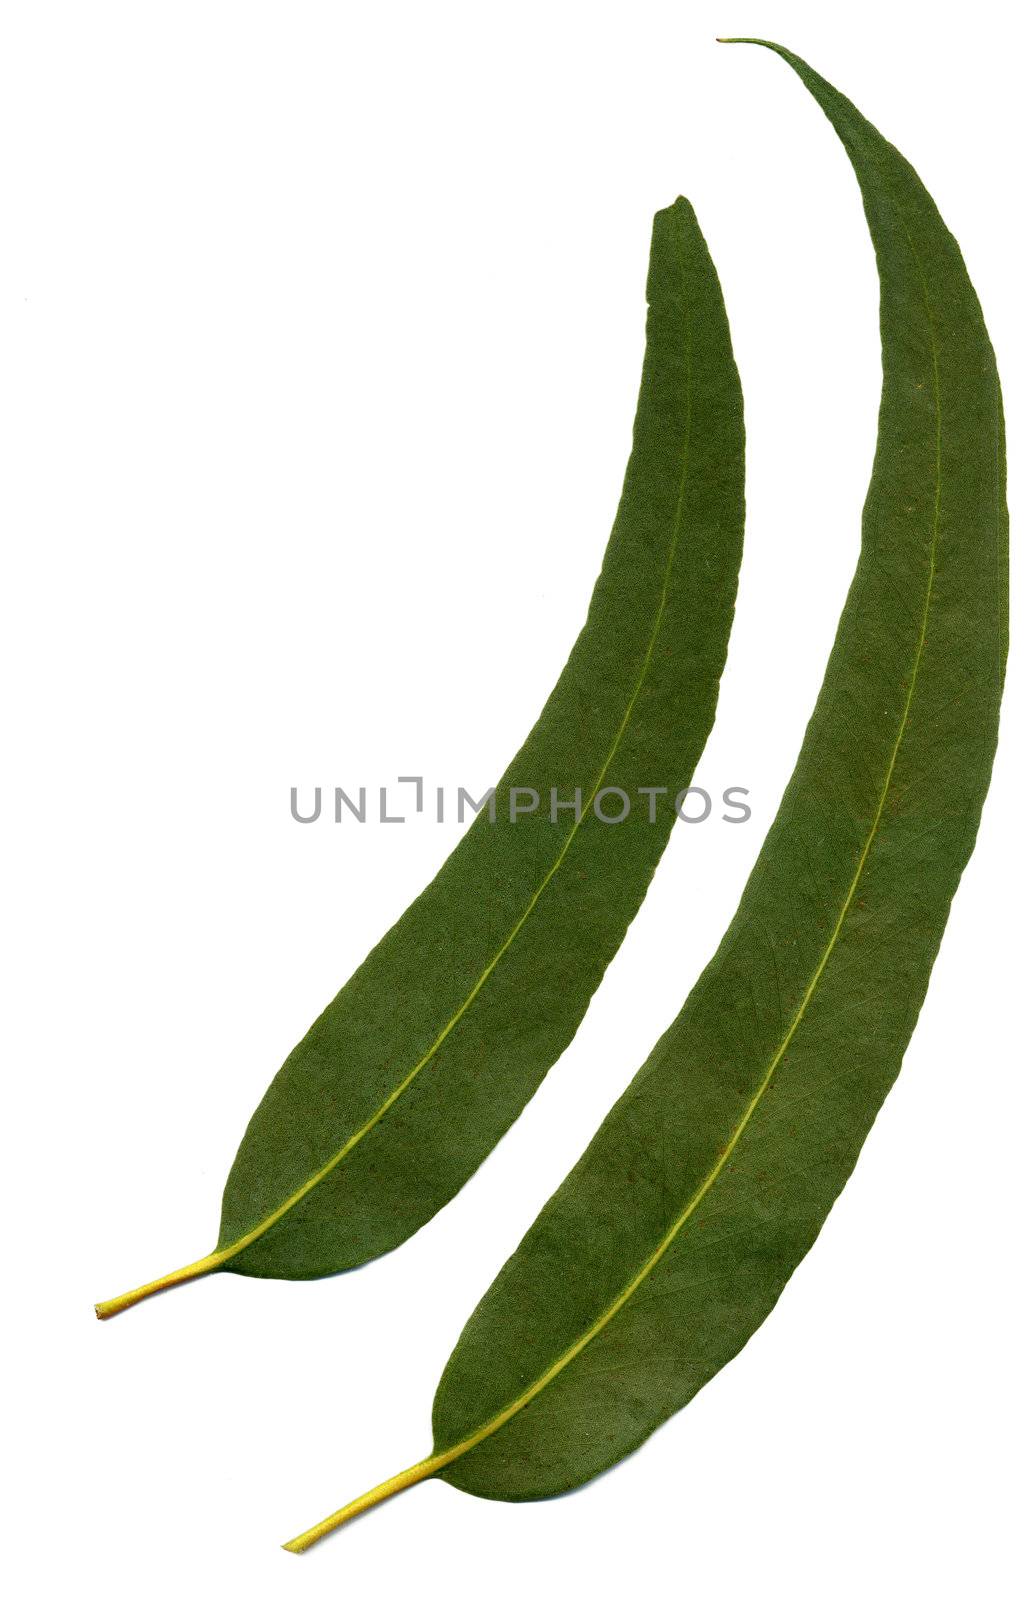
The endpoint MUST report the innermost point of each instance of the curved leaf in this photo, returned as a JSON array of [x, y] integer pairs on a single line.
[[673, 1237], [433, 1047]]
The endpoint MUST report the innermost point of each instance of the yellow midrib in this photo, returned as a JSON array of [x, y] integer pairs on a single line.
[[219, 1257], [439, 1462]]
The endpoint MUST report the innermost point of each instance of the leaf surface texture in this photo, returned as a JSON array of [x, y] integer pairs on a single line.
[[673, 1237], [433, 1047]]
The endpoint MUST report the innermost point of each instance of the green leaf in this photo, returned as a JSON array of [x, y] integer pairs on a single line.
[[673, 1237], [429, 1052]]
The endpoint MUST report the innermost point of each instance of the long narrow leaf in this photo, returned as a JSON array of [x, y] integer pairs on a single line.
[[673, 1237], [433, 1047]]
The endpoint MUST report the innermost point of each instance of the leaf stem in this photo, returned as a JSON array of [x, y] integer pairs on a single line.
[[373, 1497], [196, 1269]]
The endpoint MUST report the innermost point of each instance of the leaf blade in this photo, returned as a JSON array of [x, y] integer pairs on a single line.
[[613, 1338], [440, 1037]]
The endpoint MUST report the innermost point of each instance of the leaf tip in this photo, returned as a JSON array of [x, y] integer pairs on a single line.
[[680, 209]]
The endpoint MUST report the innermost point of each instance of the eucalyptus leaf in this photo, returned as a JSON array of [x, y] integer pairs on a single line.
[[404, 1084], [674, 1235]]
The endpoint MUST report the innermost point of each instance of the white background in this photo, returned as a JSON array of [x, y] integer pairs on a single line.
[[322, 327]]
